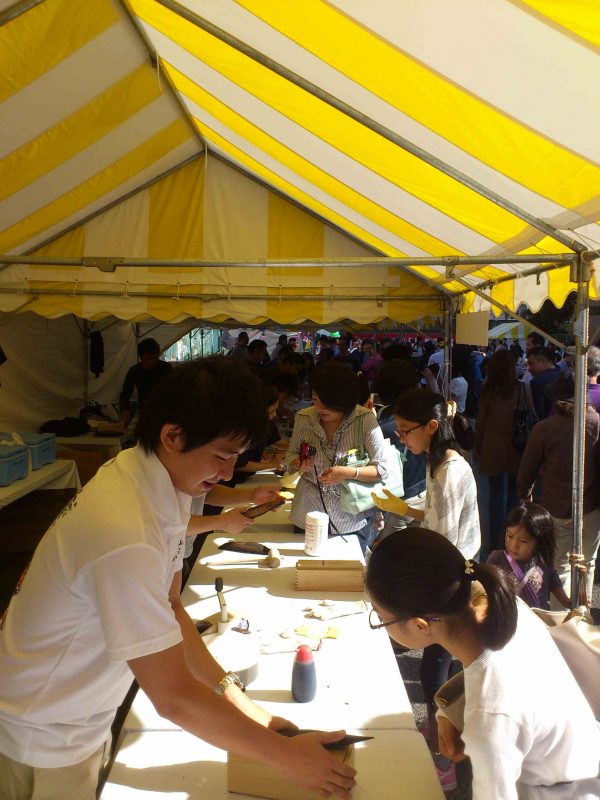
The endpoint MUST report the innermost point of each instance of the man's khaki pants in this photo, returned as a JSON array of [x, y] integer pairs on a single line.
[[77, 782]]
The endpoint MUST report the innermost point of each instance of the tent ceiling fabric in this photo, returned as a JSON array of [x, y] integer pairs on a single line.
[[505, 93]]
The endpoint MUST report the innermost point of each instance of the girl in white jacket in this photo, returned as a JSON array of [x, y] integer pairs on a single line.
[[528, 729]]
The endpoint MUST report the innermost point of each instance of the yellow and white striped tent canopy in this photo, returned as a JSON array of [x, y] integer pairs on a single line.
[[261, 131]]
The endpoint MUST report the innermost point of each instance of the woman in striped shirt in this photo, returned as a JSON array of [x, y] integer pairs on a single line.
[[329, 426]]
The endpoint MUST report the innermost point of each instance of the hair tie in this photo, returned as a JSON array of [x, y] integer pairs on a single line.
[[470, 570], [451, 409]]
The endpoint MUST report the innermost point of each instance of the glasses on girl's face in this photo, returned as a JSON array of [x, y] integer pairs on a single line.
[[404, 434], [375, 625]]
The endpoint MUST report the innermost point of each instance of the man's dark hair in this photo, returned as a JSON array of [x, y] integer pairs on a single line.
[[336, 385], [398, 351], [243, 335], [293, 358], [393, 378], [537, 339], [541, 352], [285, 350], [257, 344], [148, 347], [210, 398], [593, 362]]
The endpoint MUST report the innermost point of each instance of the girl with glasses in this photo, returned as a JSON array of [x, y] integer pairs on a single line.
[[424, 425], [528, 729]]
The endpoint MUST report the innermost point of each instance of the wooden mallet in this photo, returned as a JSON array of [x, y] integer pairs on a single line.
[[272, 560]]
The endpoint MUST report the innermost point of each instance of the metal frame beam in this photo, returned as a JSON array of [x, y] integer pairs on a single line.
[[6, 261], [156, 63], [363, 119], [374, 261], [581, 331], [132, 294], [14, 11]]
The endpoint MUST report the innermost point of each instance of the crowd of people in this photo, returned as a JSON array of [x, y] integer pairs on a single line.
[[95, 609], [508, 418]]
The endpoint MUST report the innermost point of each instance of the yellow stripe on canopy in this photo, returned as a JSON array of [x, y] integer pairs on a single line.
[[277, 150], [176, 224], [79, 130], [297, 194], [468, 122], [42, 31], [96, 187], [581, 17], [292, 233], [343, 133]]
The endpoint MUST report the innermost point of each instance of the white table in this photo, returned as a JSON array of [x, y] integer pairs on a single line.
[[394, 765], [359, 684], [58, 475]]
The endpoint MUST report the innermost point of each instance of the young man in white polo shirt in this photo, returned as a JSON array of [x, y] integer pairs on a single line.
[[100, 605]]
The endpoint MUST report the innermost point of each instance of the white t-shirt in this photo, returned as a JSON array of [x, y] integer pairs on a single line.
[[438, 358], [459, 389], [451, 505], [527, 724], [95, 596]]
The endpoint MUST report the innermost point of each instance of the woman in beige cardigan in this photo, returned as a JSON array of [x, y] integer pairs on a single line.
[[494, 450]]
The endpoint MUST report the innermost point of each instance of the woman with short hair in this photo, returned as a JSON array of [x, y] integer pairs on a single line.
[[331, 426]]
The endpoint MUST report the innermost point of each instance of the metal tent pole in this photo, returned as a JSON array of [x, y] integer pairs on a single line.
[[85, 336], [581, 273], [15, 10], [447, 347]]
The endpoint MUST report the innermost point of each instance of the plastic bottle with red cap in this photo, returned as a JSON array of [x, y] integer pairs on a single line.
[[304, 675]]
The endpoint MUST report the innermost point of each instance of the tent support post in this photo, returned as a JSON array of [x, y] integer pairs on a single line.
[[447, 347], [581, 331], [86, 359]]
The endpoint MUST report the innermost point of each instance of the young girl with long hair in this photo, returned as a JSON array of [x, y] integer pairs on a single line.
[[528, 729], [424, 425], [528, 556]]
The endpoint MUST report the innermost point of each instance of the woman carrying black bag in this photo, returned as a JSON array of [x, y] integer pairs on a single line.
[[495, 452]]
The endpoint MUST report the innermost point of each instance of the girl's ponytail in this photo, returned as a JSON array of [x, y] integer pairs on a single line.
[[500, 621], [418, 572]]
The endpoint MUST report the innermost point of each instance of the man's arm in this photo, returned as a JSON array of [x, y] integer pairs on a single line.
[[226, 496], [167, 680], [180, 682], [202, 665]]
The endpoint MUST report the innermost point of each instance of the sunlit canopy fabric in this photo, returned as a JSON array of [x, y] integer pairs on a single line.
[[504, 93]]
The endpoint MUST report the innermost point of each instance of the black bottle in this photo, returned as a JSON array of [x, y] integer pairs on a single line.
[[304, 675]]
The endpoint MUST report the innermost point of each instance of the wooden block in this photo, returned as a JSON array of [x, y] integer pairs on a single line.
[[330, 575], [258, 780]]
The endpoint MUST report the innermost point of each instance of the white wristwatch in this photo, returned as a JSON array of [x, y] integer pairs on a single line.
[[228, 680]]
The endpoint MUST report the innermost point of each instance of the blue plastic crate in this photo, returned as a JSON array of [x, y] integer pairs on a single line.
[[42, 447], [13, 464]]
